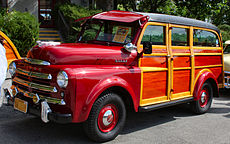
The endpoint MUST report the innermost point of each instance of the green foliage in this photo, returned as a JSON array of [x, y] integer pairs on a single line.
[[21, 28], [225, 31], [71, 12]]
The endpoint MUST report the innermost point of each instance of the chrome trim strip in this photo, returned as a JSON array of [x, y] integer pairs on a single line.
[[227, 72], [34, 74], [48, 99], [36, 61], [34, 85]]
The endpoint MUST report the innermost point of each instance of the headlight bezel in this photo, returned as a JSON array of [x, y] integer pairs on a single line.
[[62, 79], [12, 68]]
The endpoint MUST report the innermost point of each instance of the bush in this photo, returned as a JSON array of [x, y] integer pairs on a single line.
[[21, 28], [225, 31], [71, 12]]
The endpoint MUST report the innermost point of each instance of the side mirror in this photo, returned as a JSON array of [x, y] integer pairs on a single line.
[[129, 47], [147, 47]]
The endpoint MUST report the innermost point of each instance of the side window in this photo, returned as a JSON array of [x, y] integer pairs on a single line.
[[154, 34], [205, 38], [180, 37]]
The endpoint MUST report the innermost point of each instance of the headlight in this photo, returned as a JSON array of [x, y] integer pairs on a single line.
[[12, 68], [62, 79]]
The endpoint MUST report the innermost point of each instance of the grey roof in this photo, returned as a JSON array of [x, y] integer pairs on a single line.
[[179, 20]]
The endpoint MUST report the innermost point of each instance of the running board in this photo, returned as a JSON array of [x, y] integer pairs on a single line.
[[162, 105]]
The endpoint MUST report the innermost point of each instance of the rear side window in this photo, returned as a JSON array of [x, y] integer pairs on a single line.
[[205, 38], [154, 34], [180, 37]]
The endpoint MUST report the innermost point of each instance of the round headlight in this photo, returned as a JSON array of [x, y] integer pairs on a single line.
[[62, 79], [12, 68]]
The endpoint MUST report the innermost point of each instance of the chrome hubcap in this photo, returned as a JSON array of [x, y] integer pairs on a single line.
[[203, 97], [108, 117]]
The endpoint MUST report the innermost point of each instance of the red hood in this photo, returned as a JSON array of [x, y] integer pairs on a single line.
[[83, 54]]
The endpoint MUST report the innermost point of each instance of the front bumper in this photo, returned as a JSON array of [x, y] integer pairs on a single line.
[[37, 109]]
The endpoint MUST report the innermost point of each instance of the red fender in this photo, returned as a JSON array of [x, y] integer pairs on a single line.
[[101, 87], [200, 81]]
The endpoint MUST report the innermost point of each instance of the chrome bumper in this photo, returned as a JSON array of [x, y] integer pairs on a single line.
[[36, 98], [44, 111]]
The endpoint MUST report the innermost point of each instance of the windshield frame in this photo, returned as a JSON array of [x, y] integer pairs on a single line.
[[133, 25]]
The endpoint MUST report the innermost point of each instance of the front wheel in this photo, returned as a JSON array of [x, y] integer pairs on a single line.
[[106, 118], [205, 99]]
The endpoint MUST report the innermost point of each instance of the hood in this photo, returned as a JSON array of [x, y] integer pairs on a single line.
[[83, 54]]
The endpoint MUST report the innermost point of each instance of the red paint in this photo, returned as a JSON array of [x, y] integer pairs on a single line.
[[83, 54], [199, 83], [112, 119]]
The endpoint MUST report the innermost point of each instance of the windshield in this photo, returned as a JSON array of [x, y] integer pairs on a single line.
[[227, 49], [107, 31]]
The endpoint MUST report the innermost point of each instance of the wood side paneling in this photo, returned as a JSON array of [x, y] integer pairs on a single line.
[[154, 61], [181, 61], [181, 81], [155, 84], [180, 51], [208, 60], [207, 51]]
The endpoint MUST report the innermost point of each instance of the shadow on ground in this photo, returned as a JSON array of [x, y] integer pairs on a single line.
[[18, 128]]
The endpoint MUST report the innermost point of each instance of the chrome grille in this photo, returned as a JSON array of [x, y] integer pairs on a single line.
[[33, 84]]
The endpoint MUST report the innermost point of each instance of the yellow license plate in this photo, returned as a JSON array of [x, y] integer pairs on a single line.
[[20, 105]]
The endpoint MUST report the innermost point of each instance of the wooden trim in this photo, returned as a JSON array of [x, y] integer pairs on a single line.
[[155, 54], [208, 66], [179, 26], [192, 61], [156, 46], [180, 47], [207, 54], [182, 68], [170, 62], [153, 69], [181, 54], [156, 100], [142, 33], [209, 48], [200, 73], [181, 95]]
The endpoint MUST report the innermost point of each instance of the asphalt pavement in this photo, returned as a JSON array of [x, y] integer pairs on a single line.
[[172, 125]]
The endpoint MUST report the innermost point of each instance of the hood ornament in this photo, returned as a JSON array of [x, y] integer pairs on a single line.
[[48, 43]]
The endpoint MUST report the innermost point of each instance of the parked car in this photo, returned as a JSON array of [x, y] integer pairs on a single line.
[[121, 60], [227, 64], [11, 55]]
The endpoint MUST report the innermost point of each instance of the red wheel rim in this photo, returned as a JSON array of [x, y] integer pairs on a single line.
[[107, 118], [204, 97]]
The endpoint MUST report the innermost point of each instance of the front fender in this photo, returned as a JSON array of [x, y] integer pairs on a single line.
[[101, 87], [202, 77]]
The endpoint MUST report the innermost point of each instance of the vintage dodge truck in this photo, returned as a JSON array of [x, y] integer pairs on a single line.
[[121, 60]]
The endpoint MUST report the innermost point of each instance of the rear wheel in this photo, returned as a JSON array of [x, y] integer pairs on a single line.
[[205, 99], [106, 118]]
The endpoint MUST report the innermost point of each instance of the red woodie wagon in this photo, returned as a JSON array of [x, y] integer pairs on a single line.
[[121, 60]]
